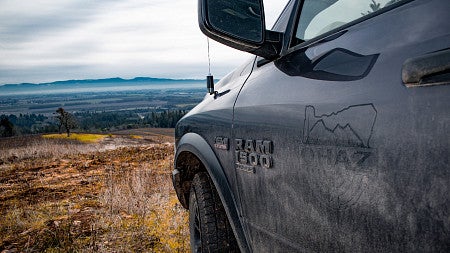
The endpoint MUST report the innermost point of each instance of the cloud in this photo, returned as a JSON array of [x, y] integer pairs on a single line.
[[45, 40]]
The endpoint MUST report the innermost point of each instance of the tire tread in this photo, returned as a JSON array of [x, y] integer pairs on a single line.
[[217, 235]]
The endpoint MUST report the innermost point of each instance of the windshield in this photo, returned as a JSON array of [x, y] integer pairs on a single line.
[[320, 16]]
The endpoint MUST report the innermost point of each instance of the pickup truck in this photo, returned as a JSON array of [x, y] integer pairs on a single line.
[[334, 137]]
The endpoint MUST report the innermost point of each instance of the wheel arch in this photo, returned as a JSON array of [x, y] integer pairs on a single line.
[[193, 155]]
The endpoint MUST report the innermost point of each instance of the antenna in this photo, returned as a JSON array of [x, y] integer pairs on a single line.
[[209, 77], [209, 58]]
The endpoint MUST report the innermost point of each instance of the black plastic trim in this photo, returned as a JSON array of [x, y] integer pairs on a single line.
[[427, 70], [269, 48]]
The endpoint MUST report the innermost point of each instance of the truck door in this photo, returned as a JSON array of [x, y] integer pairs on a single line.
[[332, 151]]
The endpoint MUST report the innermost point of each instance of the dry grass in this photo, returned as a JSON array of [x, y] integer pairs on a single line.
[[161, 135], [32, 147], [89, 200]]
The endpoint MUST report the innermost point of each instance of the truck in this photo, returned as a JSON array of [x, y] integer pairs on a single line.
[[333, 137]]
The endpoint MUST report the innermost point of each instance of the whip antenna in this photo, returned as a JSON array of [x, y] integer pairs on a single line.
[[209, 77], [209, 58]]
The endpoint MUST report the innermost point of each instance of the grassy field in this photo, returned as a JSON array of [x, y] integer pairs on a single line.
[[114, 195]]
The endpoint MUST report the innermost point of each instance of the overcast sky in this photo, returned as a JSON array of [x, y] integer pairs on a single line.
[[45, 40]]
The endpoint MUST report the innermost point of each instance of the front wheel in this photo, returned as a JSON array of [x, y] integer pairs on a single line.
[[208, 224]]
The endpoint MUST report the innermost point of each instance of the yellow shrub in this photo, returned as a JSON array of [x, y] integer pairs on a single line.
[[86, 138]]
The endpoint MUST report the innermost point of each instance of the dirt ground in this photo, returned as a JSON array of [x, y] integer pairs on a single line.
[[111, 196]]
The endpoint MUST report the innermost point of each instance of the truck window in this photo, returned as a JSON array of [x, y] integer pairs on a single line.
[[320, 16]]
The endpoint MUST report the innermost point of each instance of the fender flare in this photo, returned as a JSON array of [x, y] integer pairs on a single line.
[[195, 144]]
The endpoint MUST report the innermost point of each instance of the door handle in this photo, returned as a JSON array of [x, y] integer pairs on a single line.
[[427, 70]]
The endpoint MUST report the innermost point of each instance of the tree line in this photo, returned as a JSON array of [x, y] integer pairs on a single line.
[[62, 120]]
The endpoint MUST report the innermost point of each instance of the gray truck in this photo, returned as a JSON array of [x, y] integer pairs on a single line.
[[334, 137]]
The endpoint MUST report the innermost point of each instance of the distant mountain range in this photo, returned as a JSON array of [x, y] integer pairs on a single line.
[[100, 85], [104, 81]]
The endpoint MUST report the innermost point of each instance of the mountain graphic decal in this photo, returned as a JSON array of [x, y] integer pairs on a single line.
[[351, 126]]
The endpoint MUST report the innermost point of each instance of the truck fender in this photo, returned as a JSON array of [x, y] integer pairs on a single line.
[[196, 145]]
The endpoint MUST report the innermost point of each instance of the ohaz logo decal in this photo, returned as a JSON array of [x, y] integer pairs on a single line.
[[337, 155], [349, 127], [341, 137], [251, 154]]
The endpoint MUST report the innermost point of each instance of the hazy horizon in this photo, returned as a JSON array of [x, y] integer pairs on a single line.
[[94, 86], [107, 79]]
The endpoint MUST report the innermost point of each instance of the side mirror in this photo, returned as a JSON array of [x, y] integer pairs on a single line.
[[239, 24]]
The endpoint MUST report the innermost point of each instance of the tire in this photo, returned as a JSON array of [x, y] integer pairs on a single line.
[[209, 228]]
